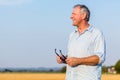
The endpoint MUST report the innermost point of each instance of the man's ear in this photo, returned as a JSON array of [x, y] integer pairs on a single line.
[[84, 15]]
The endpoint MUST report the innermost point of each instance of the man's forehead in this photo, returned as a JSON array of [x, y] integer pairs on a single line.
[[76, 10]]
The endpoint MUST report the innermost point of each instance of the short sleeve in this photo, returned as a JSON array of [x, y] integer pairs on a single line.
[[100, 47]]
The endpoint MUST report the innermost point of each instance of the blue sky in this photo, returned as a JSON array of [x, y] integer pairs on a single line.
[[31, 29]]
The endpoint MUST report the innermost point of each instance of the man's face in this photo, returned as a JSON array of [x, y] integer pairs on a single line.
[[76, 16]]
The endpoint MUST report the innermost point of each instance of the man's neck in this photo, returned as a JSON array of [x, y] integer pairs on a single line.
[[82, 27]]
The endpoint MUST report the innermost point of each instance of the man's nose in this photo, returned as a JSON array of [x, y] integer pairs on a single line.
[[71, 17]]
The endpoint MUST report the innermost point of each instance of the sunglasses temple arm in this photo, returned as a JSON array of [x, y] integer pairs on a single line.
[[56, 53], [62, 54]]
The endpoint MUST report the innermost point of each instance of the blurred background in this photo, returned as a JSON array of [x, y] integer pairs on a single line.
[[30, 30]]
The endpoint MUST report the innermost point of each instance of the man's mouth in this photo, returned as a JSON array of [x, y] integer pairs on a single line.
[[74, 21]]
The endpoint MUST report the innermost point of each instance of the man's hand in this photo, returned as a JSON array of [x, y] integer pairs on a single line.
[[72, 61], [59, 60]]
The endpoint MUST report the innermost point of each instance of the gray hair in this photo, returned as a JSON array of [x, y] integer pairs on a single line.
[[84, 9]]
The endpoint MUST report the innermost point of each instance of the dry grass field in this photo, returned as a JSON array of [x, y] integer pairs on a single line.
[[47, 76]]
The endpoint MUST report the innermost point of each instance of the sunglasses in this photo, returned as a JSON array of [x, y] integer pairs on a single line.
[[62, 57]]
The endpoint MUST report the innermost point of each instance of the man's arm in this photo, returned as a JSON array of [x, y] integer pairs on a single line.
[[91, 60]]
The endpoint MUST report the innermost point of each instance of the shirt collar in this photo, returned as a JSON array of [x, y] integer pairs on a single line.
[[90, 28]]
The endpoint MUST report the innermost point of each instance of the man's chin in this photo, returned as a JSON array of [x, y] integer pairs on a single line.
[[74, 24]]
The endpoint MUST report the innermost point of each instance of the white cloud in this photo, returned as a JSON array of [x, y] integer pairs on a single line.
[[14, 2]]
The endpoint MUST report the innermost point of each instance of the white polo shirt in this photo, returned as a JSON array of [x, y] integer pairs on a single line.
[[90, 42]]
